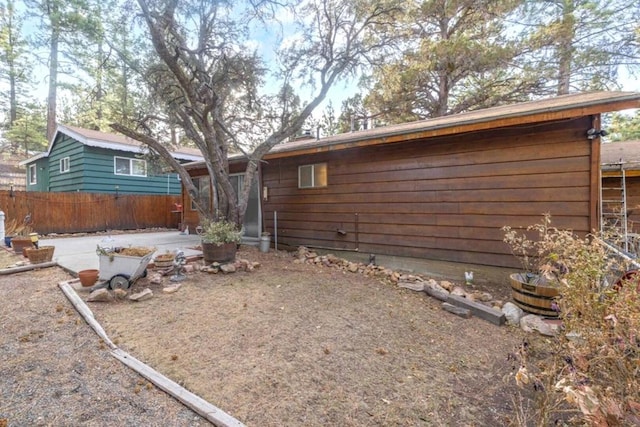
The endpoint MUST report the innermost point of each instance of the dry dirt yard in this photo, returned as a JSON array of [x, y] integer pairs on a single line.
[[54, 370], [298, 344], [287, 344]]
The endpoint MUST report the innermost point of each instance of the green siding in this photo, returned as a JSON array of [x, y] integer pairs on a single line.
[[91, 169], [100, 177], [42, 175], [66, 181]]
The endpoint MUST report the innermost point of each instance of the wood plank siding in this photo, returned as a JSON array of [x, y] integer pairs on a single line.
[[443, 198]]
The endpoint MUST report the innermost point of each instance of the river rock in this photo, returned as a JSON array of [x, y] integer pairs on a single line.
[[142, 296], [414, 286], [100, 295], [457, 290], [513, 313], [532, 322], [228, 268], [171, 288]]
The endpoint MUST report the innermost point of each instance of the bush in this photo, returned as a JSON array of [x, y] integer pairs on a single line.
[[592, 368], [220, 232]]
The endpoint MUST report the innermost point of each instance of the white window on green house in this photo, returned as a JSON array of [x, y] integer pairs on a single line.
[[129, 166], [33, 178], [312, 176], [64, 165]]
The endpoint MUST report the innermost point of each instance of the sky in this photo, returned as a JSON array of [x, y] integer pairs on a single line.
[[266, 41]]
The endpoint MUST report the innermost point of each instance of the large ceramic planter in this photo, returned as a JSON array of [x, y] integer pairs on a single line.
[[533, 298], [212, 252], [19, 243]]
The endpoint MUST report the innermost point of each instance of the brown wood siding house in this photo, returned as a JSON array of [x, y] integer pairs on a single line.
[[443, 188]]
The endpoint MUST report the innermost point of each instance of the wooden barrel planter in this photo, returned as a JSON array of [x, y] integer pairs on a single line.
[[212, 252], [533, 298], [163, 261]]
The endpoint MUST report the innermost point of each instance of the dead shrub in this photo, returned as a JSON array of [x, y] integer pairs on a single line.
[[590, 372]]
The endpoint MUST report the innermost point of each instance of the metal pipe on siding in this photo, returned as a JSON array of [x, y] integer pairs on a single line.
[[357, 233], [332, 249], [275, 229]]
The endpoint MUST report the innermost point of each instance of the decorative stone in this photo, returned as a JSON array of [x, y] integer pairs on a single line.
[[532, 322], [155, 279], [188, 268], [120, 293], [100, 295], [228, 268], [432, 288], [447, 285], [353, 267], [142, 296], [414, 286], [172, 288], [458, 291], [513, 313]]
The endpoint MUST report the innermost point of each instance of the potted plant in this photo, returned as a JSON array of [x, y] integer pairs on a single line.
[[543, 260], [220, 240]]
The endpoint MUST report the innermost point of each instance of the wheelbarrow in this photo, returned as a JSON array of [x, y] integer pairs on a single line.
[[120, 271]]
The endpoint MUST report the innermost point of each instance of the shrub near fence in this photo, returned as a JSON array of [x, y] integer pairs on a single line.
[[89, 212]]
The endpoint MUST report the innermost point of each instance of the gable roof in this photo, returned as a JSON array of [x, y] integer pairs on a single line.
[[625, 152], [556, 108], [110, 141]]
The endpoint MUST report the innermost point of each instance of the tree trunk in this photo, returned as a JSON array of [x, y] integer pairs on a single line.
[[53, 80], [565, 47]]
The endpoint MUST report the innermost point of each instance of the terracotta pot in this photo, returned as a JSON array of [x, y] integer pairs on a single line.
[[88, 277], [218, 253]]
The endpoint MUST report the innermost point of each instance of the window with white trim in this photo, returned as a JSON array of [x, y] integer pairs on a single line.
[[64, 165], [312, 176], [129, 166], [33, 178]]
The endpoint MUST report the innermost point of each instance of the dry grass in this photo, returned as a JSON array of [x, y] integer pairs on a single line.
[[295, 344], [56, 372]]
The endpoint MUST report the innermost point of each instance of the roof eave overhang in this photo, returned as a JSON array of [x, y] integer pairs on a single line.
[[364, 138]]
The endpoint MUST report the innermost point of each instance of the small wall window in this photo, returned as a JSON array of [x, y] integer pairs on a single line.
[[33, 178], [128, 166], [312, 176], [64, 165]]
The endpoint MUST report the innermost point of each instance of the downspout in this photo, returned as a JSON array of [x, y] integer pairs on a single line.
[[595, 208]]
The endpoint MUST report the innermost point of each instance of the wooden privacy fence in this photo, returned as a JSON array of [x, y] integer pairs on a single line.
[[88, 212]]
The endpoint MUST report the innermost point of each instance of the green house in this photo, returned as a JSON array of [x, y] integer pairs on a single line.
[[91, 161]]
